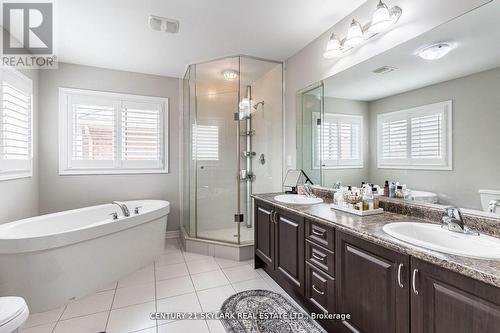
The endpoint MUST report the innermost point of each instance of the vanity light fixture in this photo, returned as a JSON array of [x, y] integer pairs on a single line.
[[435, 51], [354, 34], [230, 74], [333, 48], [383, 18]]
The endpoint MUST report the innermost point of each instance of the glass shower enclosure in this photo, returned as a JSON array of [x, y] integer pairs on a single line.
[[232, 144]]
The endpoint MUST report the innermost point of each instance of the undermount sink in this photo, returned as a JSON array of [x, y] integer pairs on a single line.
[[296, 199], [433, 237]]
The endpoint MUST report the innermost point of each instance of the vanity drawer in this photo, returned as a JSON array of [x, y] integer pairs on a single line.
[[320, 257], [320, 289], [320, 234]]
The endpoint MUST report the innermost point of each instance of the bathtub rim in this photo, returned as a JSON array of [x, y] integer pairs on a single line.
[[12, 246]]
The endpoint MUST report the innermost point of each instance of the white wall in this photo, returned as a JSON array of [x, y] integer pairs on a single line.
[[19, 197], [308, 65], [58, 193], [476, 138]]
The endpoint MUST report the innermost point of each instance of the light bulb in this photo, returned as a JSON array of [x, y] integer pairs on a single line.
[[333, 48], [354, 35], [381, 19], [230, 74]]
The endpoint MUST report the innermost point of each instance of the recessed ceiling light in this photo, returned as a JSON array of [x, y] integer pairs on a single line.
[[230, 74], [435, 51]]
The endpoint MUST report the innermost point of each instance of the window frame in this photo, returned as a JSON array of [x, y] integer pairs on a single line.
[[66, 167], [341, 164], [443, 164], [28, 173]]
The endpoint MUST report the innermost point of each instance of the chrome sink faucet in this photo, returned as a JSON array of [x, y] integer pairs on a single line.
[[123, 207], [308, 191], [493, 205], [454, 221]]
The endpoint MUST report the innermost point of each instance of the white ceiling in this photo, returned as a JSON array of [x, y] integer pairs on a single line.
[[476, 33], [115, 34]]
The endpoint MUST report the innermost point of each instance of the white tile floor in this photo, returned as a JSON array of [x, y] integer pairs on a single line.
[[176, 282]]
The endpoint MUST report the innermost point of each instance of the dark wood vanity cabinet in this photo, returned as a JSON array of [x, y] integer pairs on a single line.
[[264, 233], [289, 238], [383, 291], [443, 301], [279, 243], [372, 286]]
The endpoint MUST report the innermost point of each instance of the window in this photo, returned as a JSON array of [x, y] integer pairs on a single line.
[[205, 143], [418, 138], [106, 133], [337, 141], [16, 128]]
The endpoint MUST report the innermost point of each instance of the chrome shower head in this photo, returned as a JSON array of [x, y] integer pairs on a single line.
[[257, 105]]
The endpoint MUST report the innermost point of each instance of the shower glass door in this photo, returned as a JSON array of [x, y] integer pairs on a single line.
[[215, 150]]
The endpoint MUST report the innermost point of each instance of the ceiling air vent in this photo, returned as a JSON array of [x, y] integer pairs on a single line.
[[385, 70], [163, 24]]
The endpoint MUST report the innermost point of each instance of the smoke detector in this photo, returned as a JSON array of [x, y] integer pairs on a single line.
[[163, 24], [384, 70]]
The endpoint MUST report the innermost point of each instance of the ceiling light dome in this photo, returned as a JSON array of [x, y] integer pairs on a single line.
[[230, 74], [354, 35], [333, 48], [381, 19], [435, 51]]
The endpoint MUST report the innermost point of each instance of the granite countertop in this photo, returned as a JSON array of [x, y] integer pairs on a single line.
[[370, 229]]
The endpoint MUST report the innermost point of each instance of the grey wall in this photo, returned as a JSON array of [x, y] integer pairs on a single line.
[[20, 196], [476, 138], [58, 193]]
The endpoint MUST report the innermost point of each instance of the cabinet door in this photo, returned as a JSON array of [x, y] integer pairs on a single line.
[[368, 287], [264, 233], [444, 301], [290, 249]]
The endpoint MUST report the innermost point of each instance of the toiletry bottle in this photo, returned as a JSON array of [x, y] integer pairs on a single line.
[[368, 199], [376, 200], [392, 190], [386, 188], [399, 192]]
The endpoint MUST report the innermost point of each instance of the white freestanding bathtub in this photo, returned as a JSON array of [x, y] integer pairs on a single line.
[[52, 259]]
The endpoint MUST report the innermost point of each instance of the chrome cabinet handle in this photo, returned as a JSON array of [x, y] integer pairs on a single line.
[[317, 257], [414, 281], [274, 215], [399, 276], [318, 233], [317, 290]]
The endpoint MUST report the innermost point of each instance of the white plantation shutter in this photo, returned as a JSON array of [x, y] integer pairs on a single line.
[[15, 125], [93, 132], [395, 139], [111, 133], [337, 141], [418, 138], [350, 136], [205, 142], [427, 137], [141, 135]]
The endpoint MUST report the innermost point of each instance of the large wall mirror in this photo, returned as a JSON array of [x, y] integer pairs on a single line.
[[410, 116]]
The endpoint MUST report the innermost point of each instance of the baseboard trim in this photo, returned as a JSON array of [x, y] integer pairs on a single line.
[[172, 234]]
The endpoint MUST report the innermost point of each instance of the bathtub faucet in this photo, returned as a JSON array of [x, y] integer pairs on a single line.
[[123, 207]]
